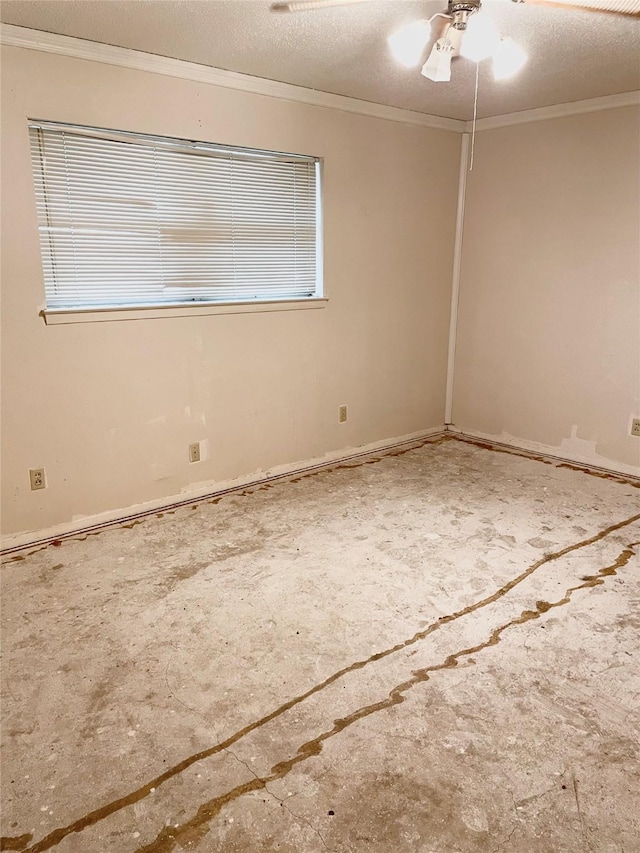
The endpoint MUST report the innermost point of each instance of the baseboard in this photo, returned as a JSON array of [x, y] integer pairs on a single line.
[[89, 524], [546, 453], [16, 542]]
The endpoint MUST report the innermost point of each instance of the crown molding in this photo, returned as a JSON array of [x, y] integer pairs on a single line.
[[591, 105], [125, 57], [24, 37]]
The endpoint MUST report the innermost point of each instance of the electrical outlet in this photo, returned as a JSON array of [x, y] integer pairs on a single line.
[[194, 452], [37, 479], [635, 427], [342, 414]]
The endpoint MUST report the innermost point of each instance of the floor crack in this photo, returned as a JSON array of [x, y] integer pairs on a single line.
[[506, 840], [243, 762], [90, 819], [285, 805], [168, 837], [282, 800]]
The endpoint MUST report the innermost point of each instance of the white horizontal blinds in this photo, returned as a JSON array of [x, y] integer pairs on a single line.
[[130, 220]]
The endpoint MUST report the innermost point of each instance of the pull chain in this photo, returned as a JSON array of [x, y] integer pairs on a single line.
[[475, 113]]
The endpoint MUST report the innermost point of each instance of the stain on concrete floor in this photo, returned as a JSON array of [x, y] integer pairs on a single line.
[[435, 652]]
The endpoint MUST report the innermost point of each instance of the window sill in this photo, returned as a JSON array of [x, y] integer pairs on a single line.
[[56, 316]]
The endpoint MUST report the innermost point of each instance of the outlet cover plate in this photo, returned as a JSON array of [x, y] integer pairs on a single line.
[[37, 479], [194, 452], [635, 427]]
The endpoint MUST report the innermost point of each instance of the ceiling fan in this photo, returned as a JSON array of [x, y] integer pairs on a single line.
[[465, 31]]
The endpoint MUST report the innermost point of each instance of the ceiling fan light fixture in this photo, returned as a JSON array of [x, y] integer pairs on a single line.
[[438, 65], [407, 44], [508, 59], [481, 38]]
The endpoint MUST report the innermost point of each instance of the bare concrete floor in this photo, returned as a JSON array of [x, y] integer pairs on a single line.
[[435, 652]]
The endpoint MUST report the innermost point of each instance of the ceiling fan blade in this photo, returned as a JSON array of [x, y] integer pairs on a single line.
[[626, 8], [311, 5]]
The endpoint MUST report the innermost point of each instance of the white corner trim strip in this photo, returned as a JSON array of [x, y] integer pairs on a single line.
[[126, 58], [455, 277], [591, 105]]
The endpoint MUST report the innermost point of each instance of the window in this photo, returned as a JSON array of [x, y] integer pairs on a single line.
[[131, 220]]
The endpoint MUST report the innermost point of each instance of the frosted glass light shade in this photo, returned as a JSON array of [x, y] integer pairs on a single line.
[[438, 65], [508, 59], [480, 39], [408, 43]]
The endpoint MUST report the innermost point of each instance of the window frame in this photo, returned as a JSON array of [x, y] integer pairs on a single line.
[[157, 310]]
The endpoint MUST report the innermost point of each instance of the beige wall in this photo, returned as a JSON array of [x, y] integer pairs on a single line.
[[109, 408], [548, 345]]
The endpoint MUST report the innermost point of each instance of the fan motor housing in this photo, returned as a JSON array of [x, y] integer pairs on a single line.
[[468, 6], [460, 12]]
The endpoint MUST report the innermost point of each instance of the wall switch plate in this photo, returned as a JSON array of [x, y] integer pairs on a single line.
[[635, 427], [342, 414], [194, 452], [37, 479]]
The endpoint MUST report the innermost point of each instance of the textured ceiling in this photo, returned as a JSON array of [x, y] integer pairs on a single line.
[[572, 55]]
